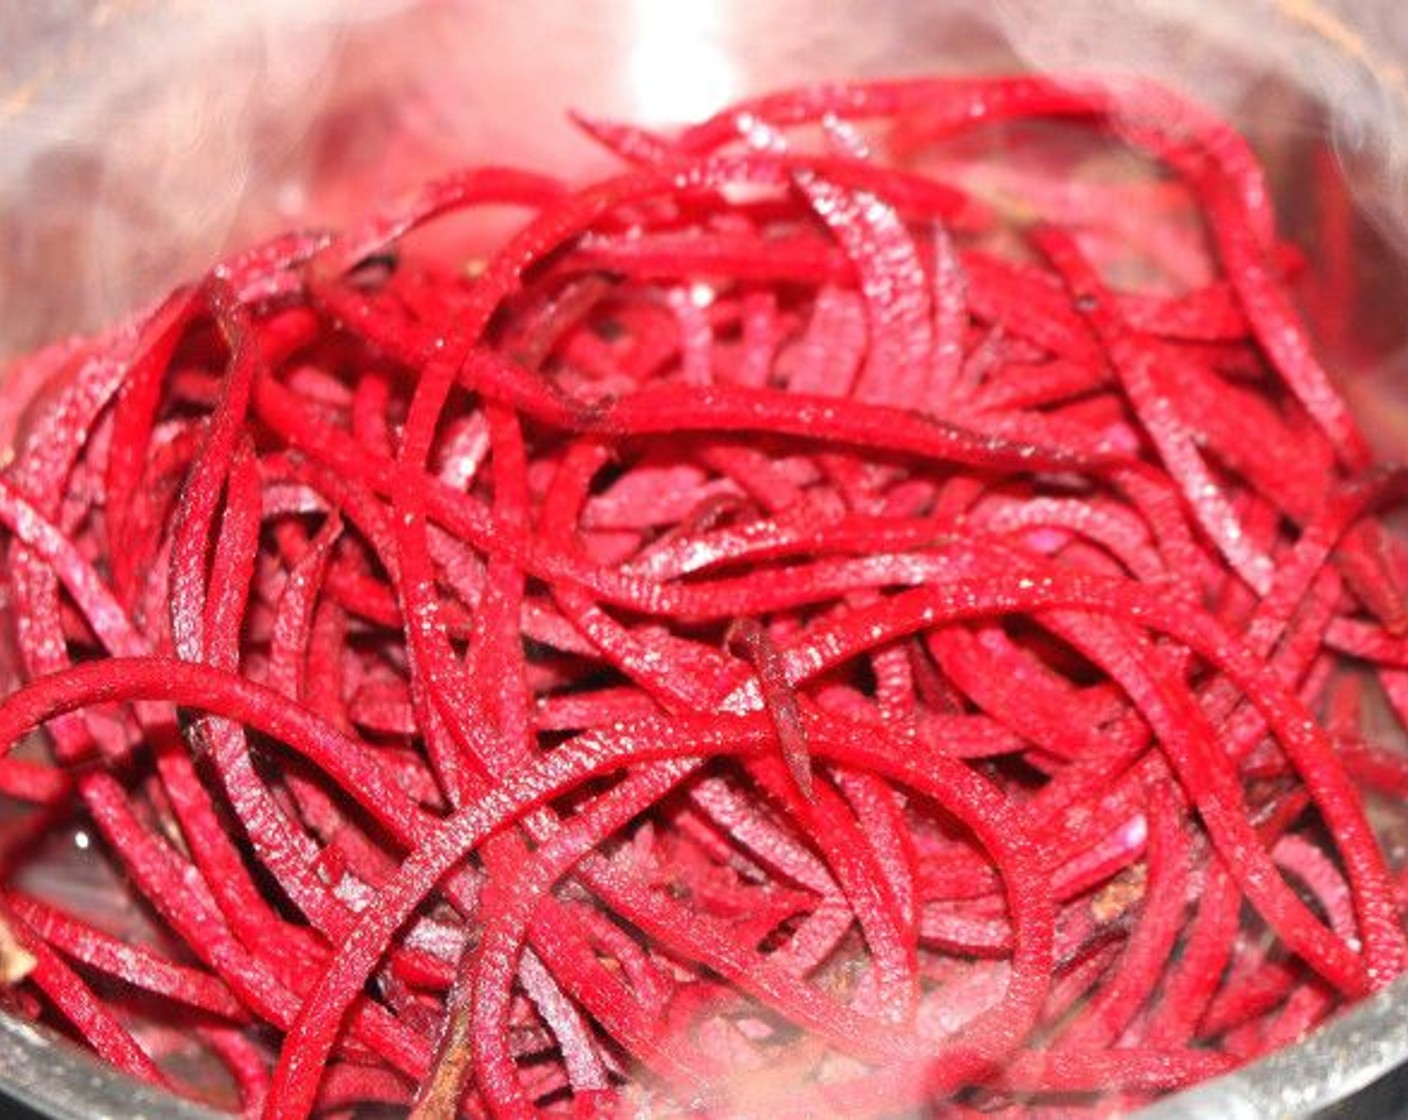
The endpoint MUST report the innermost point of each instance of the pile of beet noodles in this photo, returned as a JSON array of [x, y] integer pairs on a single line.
[[874, 604]]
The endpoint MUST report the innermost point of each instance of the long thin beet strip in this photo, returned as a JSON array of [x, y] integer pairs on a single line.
[[76, 1002], [133, 963], [1133, 363], [779, 700]]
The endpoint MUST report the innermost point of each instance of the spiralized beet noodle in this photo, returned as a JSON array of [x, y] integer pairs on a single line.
[[872, 606]]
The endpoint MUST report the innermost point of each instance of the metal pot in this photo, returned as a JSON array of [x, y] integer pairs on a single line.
[[139, 139]]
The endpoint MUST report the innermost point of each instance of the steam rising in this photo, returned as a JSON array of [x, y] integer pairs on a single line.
[[1345, 57], [140, 138]]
